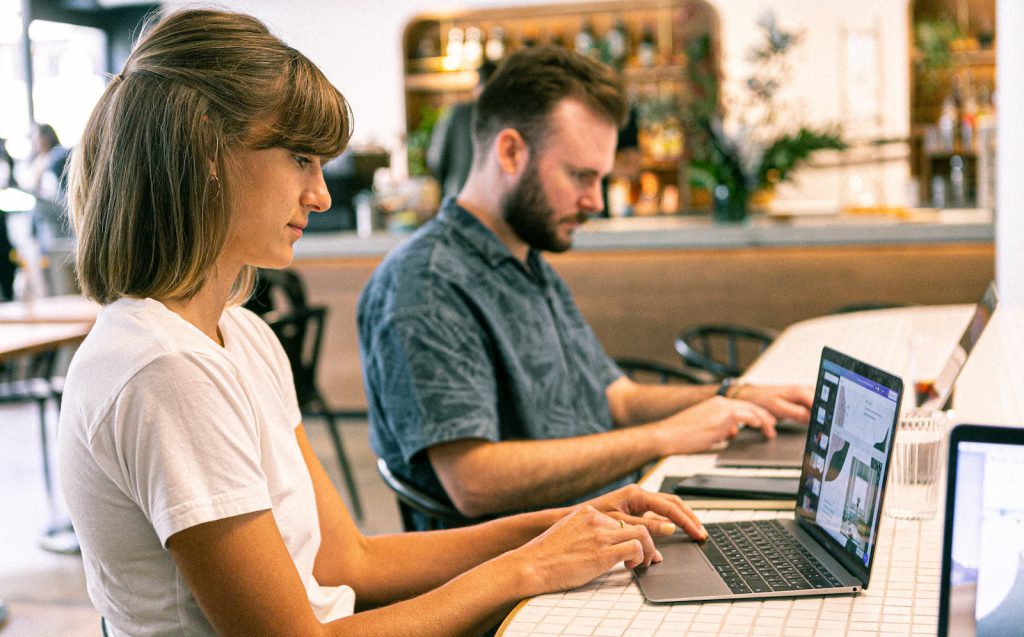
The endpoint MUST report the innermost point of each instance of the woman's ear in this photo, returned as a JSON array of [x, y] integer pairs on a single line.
[[512, 152]]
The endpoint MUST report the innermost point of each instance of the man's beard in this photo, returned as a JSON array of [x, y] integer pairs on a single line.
[[527, 212]]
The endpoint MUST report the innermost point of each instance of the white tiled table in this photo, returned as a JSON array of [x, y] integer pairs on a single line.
[[902, 597]]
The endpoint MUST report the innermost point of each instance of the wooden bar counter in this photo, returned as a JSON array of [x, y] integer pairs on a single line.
[[639, 281]]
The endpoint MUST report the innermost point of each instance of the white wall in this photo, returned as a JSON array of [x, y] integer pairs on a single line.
[[823, 92], [358, 45], [1009, 185]]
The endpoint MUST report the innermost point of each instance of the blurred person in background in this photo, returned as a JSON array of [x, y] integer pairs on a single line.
[[450, 153], [49, 218]]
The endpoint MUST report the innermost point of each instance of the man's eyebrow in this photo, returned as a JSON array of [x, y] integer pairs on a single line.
[[583, 172]]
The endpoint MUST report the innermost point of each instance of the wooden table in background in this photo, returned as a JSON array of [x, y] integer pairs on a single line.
[[19, 339], [70, 308]]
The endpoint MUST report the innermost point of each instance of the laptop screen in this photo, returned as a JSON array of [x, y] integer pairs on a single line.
[[983, 552], [935, 394], [849, 447]]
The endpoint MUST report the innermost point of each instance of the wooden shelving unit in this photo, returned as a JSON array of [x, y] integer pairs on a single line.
[[434, 81]]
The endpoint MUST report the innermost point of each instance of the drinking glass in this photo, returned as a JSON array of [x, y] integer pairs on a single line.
[[917, 464]]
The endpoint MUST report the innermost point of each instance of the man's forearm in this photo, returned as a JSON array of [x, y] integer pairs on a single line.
[[484, 478], [638, 404]]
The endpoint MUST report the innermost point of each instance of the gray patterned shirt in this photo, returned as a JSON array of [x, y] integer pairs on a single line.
[[459, 340]]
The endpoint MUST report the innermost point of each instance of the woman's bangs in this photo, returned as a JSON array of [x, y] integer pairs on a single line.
[[314, 116]]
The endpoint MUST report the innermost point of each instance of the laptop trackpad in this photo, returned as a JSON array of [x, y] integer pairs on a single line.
[[684, 574]]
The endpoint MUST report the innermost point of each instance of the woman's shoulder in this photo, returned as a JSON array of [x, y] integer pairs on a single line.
[[240, 323]]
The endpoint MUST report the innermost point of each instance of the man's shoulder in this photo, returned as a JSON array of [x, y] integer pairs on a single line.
[[419, 273], [434, 254]]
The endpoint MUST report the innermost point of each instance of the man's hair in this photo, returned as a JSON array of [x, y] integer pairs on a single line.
[[150, 196], [531, 82]]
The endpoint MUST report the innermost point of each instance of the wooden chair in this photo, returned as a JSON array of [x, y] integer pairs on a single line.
[[722, 350]]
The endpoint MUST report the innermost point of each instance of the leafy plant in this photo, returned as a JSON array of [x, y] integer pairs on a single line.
[[418, 140], [758, 152], [933, 39]]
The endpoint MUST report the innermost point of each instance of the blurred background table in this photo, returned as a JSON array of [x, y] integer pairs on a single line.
[[20, 339], [68, 308]]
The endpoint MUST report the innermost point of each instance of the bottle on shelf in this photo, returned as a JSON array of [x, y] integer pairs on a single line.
[[531, 35], [472, 48], [615, 46], [968, 121], [957, 181], [453, 50], [647, 49], [947, 124], [585, 42], [495, 47]]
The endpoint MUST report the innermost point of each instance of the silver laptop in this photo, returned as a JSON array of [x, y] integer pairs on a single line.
[[982, 589], [935, 395], [829, 547], [750, 449]]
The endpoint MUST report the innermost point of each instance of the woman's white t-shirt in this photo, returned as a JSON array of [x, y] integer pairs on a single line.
[[162, 429]]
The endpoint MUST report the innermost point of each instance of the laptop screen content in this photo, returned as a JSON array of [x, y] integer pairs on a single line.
[[851, 429], [986, 572]]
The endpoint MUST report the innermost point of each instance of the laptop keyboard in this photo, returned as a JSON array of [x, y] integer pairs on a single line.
[[762, 557]]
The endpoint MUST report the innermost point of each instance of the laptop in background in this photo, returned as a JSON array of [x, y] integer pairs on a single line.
[[982, 590], [828, 548], [750, 449], [936, 394]]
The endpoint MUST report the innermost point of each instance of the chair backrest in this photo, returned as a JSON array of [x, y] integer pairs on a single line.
[[301, 333], [440, 514], [721, 349], [866, 307], [28, 378], [642, 370], [277, 292]]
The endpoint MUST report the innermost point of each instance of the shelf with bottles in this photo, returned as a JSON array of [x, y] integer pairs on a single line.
[[646, 40], [952, 116], [641, 34]]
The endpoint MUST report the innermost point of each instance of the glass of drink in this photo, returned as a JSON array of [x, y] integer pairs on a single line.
[[917, 463]]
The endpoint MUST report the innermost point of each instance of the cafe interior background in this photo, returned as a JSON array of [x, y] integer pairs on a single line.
[[918, 207]]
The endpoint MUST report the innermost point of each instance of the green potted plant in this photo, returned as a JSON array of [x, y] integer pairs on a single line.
[[752, 152]]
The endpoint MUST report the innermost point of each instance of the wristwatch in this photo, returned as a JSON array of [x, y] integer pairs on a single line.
[[723, 389]]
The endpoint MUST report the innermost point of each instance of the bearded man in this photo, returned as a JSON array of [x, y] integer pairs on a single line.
[[486, 386]]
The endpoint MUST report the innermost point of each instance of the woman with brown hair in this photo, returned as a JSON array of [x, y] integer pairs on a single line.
[[199, 503]]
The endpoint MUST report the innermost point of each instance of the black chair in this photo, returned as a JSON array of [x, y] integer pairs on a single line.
[[301, 332], [31, 379], [410, 498], [866, 307], [722, 350], [277, 291], [642, 370]]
